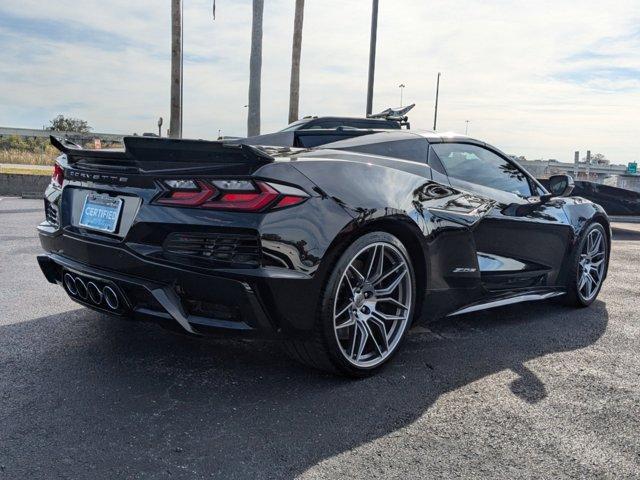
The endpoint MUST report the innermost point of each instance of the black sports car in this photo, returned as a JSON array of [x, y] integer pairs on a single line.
[[334, 250]]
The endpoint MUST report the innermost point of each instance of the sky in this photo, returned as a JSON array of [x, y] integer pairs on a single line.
[[535, 78]]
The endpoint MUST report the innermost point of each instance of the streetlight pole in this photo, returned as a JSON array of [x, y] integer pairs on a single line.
[[372, 54], [435, 110], [401, 86], [466, 127], [175, 119]]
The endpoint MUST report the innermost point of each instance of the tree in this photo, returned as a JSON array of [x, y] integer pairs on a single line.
[[68, 124], [597, 159], [294, 87], [255, 70]]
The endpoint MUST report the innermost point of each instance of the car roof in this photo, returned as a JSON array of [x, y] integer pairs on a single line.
[[303, 122], [398, 135]]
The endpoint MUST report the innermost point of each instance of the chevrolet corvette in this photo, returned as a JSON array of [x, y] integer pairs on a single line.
[[335, 250]]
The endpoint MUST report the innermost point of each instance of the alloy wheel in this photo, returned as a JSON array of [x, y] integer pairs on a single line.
[[591, 265], [372, 305]]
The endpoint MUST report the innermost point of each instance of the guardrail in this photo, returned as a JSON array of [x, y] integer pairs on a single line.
[[32, 132]]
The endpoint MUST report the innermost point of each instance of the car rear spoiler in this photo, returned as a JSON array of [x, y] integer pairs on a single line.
[[153, 154]]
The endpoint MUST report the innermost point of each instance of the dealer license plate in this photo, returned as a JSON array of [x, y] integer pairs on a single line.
[[101, 212]]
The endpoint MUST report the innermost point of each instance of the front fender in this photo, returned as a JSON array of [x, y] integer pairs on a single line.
[[581, 212]]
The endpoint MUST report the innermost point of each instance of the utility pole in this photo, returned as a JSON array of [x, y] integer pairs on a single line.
[[435, 111], [255, 70], [372, 55], [401, 86], [588, 163], [175, 120], [296, 50], [576, 163]]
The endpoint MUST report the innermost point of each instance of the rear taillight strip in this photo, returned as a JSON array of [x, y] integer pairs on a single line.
[[189, 198], [57, 176], [241, 195]]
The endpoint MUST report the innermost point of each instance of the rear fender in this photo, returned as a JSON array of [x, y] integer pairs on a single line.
[[441, 219]]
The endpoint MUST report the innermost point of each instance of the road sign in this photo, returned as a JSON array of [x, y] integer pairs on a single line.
[[632, 167]]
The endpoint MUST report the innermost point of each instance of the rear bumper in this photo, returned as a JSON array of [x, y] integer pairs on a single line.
[[240, 309]]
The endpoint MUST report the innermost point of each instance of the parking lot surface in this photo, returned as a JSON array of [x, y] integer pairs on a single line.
[[530, 391]]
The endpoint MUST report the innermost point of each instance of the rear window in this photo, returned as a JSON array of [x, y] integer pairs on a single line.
[[413, 149]]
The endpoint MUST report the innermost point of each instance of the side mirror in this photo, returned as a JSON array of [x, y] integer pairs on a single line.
[[561, 185]]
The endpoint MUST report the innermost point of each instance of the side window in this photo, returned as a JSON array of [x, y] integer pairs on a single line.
[[414, 149], [480, 166], [435, 163]]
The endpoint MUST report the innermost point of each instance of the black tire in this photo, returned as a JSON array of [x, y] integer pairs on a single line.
[[573, 297], [321, 349]]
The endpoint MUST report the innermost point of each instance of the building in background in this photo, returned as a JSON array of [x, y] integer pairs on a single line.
[[621, 176]]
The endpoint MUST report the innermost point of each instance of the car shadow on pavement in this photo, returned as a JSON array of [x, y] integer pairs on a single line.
[[83, 395]]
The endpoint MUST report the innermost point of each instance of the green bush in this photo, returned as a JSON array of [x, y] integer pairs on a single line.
[[15, 142]]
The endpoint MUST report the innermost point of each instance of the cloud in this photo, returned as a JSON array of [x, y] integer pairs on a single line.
[[605, 78], [536, 78], [58, 31], [609, 64]]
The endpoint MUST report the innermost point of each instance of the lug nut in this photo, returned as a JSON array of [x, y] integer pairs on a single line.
[[365, 310]]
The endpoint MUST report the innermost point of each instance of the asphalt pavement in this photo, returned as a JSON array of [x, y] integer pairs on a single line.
[[534, 390]]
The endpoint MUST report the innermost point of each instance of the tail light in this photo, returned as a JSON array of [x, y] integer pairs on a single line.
[[58, 174], [236, 195]]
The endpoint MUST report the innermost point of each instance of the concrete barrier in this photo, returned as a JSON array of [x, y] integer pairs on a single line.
[[624, 219], [21, 185]]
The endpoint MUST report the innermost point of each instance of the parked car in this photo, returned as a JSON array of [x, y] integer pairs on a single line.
[[336, 250], [314, 131], [309, 123], [616, 201], [388, 119]]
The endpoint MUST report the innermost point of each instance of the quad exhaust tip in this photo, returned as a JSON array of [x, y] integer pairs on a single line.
[[70, 283], [94, 293], [81, 287], [111, 298], [90, 291]]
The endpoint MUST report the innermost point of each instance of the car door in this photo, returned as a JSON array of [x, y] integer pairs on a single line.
[[520, 243]]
